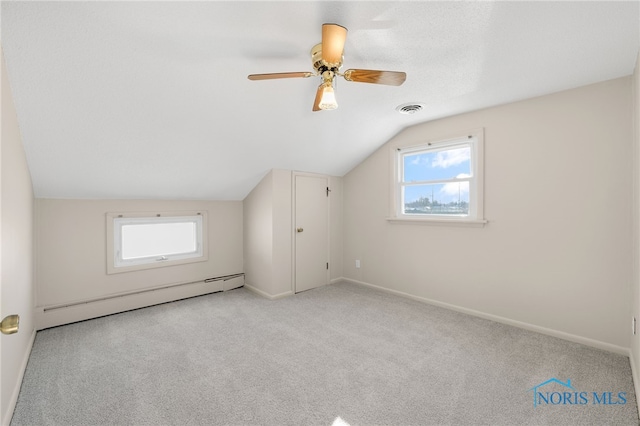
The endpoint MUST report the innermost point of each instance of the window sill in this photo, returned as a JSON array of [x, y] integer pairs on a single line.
[[111, 269], [468, 223]]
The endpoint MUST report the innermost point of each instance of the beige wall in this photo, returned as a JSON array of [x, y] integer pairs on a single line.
[[71, 255], [16, 229], [555, 254], [635, 299], [258, 236], [268, 234], [282, 278]]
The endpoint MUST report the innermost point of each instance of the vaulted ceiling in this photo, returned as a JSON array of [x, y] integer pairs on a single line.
[[151, 99]]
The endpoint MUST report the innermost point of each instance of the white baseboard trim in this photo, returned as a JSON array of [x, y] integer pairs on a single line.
[[16, 389], [47, 317], [336, 280], [503, 320], [267, 295]]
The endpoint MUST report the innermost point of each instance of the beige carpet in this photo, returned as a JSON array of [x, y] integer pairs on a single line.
[[340, 351]]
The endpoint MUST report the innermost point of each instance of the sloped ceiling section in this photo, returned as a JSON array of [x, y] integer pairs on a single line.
[[152, 100]]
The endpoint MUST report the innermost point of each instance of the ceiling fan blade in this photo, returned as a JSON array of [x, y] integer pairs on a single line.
[[280, 75], [333, 39], [316, 103], [390, 78]]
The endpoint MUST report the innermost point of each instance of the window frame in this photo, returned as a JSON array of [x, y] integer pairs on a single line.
[[475, 140], [115, 222]]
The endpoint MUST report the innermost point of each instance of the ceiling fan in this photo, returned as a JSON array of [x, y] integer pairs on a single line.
[[327, 58]]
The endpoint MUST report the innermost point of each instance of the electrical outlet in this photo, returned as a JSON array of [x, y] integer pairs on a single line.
[[357, 263]]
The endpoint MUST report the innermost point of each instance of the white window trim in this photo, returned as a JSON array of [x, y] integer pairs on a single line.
[[476, 190], [116, 220]]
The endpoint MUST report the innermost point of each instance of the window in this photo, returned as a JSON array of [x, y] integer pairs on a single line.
[[440, 180], [143, 242]]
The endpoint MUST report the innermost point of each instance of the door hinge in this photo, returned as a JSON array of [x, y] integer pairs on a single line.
[[327, 265], [328, 191]]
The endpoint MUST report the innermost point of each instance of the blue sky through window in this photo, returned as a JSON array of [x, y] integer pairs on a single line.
[[445, 164], [438, 165]]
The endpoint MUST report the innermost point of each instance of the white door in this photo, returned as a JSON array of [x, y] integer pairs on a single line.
[[311, 232]]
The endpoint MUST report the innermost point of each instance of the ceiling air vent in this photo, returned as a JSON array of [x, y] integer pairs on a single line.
[[410, 108]]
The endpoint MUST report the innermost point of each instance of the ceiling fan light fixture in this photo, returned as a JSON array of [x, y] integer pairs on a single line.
[[328, 100], [326, 58]]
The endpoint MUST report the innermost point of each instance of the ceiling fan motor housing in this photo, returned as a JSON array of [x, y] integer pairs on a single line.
[[319, 64]]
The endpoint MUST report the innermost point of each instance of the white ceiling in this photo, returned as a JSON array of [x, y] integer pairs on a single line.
[[152, 100]]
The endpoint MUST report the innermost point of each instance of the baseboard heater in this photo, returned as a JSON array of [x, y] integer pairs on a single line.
[[146, 290]]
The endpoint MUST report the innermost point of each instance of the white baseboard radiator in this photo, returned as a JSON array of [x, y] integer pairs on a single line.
[[79, 310]]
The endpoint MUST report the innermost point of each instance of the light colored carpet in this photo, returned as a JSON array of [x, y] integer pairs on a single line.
[[343, 350]]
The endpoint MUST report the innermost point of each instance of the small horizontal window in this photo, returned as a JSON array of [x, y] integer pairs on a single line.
[[149, 242]]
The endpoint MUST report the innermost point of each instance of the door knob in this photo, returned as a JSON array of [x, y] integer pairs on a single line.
[[300, 229], [10, 324]]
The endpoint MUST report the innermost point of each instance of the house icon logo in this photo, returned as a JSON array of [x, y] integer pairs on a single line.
[[537, 394]]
